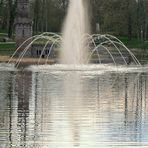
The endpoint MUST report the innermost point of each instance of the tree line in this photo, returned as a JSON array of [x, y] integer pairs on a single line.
[[118, 17]]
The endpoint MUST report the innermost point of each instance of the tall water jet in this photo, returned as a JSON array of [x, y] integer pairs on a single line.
[[76, 26]]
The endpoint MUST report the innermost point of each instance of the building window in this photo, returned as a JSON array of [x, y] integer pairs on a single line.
[[38, 52], [47, 52]]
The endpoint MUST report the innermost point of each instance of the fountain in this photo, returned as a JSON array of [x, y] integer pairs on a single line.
[[74, 48], [75, 103], [76, 45]]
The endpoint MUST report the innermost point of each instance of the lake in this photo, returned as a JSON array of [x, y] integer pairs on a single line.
[[84, 107]]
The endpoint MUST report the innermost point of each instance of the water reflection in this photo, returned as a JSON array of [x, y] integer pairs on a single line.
[[73, 109]]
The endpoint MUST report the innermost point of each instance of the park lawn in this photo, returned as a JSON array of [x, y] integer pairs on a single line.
[[7, 48], [4, 35], [3, 31], [134, 43]]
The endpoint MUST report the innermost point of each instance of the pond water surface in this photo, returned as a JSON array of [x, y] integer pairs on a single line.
[[58, 108]]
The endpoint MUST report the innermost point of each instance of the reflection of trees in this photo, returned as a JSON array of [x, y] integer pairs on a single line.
[[135, 107], [47, 96], [115, 104], [123, 105]]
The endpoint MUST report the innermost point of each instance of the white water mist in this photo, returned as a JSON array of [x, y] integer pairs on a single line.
[[76, 26]]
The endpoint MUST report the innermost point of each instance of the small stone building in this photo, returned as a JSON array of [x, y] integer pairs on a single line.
[[37, 51]]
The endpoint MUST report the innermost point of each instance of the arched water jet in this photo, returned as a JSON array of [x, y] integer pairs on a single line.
[[43, 51], [118, 42], [92, 41], [25, 50], [116, 48], [100, 45], [52, 36], [56, 41], [21, 46], [131, 54], [96, 48], [99, 37]]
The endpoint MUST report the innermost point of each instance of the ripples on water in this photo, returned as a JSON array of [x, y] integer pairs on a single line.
[[64, 109]]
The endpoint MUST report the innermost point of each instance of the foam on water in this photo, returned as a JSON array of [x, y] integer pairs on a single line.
[[7, 67], [91, 68]]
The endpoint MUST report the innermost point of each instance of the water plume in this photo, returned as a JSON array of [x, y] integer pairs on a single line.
[[74, 50]]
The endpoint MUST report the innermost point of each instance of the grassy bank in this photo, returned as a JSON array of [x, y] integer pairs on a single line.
[[4, 35], [7, 48], [134, 43], [139, 48]]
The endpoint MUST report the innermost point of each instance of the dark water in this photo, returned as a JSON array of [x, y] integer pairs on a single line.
[[65, 109]]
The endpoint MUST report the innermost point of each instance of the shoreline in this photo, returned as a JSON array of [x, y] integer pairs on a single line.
[[26, 61]]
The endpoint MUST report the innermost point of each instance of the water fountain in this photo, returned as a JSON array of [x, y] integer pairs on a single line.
[[76, 45], [75, 103]]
